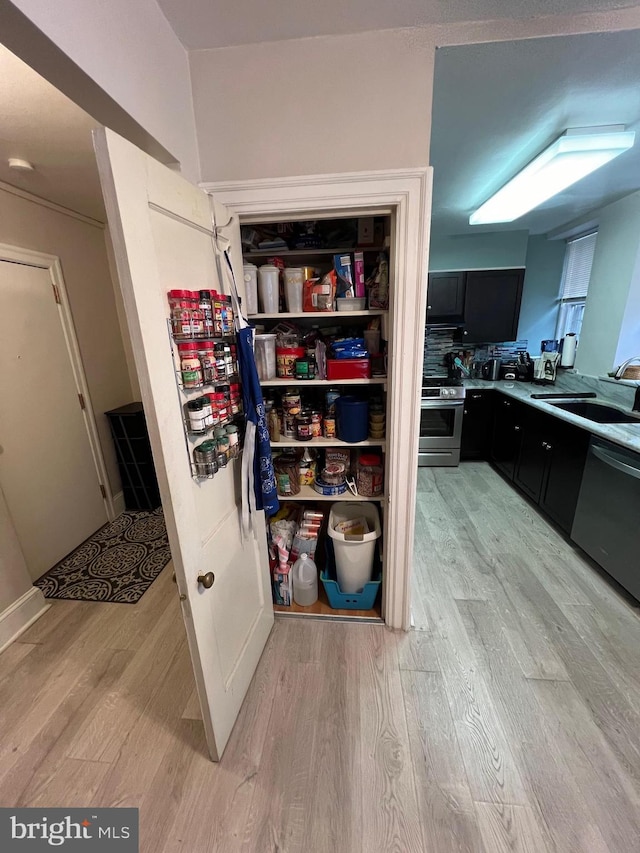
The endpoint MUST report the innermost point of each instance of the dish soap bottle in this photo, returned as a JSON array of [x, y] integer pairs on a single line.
[[305, 581]]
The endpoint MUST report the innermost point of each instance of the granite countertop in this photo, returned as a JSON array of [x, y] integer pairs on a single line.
[[627, 435]]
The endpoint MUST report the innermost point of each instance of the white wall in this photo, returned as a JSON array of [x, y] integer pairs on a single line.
[[539, 307], [314, 106], [613, 279], [489, 250], [15, 579], [131, 52], [82, 250]]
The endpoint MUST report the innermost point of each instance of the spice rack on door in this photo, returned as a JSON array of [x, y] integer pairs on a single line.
[[200, 471]]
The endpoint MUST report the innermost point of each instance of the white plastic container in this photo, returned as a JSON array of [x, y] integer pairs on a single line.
[[265, 355], [351, 303], [305, 581], [293, 283], [354, 554], [269, 287], [250, 272]]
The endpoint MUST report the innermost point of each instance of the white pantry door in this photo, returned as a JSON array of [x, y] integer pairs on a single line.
[[161, 228], [47, 470]]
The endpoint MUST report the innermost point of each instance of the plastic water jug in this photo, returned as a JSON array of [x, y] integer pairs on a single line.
[[305, 581]]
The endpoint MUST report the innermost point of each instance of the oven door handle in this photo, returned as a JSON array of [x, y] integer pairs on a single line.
[[441, 404]]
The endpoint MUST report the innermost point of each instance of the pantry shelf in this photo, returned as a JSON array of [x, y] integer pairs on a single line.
[[375, 380], [318, 315], [323, 610], [308, 493], [328, 442], [306, 253]]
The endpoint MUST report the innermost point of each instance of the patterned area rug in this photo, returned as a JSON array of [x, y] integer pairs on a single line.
[[118, 563]]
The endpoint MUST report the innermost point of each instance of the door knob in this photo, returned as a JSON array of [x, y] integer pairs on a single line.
[[207, 580], [517, 428]]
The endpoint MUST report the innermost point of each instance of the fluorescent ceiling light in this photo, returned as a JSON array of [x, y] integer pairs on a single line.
[[575, 154]]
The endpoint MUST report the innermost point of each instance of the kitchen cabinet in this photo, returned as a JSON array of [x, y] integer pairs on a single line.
[[543, 455], [476, 424], [550, 467], [506, 435], [492, 305], [445, 297]]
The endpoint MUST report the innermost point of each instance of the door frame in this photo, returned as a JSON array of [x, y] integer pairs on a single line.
[[52, 264], [407, 194]]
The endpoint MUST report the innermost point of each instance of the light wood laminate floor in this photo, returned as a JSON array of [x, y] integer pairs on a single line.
[[508, 721]]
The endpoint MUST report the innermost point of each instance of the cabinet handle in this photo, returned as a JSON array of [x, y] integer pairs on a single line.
[[428, 307], [517, 428], [465, 332], [549, 447], [506, 404], [465, 412], [476, 396], [545, 445]]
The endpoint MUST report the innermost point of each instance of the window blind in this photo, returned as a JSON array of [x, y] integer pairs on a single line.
[[577, 268]]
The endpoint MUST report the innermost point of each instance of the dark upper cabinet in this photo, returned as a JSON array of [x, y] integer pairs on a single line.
[[445, 297], [507, 433], [492, 305], [477, 423]]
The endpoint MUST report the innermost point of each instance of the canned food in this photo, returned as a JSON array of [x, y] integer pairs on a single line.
[[303, 426], [329, 426], [316, 424]]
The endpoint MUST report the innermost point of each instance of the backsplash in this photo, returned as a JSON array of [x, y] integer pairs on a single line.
[[438, 342]]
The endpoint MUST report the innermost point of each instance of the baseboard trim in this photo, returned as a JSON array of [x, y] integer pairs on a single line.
[[17, 617], [118, 504]]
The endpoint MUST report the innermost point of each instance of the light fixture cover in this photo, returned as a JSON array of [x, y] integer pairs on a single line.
[[572, 156], [20, 165]]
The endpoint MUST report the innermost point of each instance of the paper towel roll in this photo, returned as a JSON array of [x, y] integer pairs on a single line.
[[569, 346]]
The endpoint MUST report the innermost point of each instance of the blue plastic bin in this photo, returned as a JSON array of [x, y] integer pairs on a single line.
[[350, 601], [352, 418]]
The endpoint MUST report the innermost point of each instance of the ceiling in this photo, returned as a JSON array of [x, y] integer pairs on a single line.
[[42, 125], [498, 105], [201, 24]]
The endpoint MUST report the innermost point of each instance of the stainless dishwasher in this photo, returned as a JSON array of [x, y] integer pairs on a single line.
[[607, 519]]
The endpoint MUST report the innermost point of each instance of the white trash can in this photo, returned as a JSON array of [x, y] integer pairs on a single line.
[[354, 553]]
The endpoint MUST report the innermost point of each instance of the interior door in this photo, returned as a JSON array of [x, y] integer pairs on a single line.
[[47, 470], [162, 234]]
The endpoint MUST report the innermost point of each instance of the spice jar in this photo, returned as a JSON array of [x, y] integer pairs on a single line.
[[234, 442], [204, 457], [180, 305], [214, 417], [228, 361], [206, 307], [221, 364], [206, 354], [222, 440], [207, 411], [369, 475], [217, 314], [222, 460], [197, 415], [197, 315], [221, 407], [190, 366], [303, 426]]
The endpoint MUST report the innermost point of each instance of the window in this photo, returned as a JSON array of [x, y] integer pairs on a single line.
[[575, 284]]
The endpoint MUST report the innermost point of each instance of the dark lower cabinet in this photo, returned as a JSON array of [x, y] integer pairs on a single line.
[[506, 435], [567, 451], [135, 462], [550, 463], [477, 424]]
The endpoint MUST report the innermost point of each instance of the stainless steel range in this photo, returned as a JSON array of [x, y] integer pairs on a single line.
[[441, 414]]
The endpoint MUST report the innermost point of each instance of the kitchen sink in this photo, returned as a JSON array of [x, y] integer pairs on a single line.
[[599, 412]]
